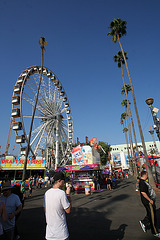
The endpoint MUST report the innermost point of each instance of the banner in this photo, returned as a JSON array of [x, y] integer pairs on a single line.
[[116, 160], [10, 163], [85, 155], [78, 167]]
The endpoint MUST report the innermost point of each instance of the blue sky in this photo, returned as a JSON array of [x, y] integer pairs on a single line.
[[81, 55]]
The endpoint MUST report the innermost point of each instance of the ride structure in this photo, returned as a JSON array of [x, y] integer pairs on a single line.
[[51, 134]]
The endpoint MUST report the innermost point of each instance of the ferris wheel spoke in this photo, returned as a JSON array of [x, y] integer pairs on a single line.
[[49, 85], [36, 132], [40, 138], [32, 90], [51, 134], [38, 117], [45, 105], [44, 90], [62, 146], [64, 126], [64, 134], [32, 103], [63, 110]]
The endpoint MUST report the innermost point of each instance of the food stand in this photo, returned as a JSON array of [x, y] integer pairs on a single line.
[[85, 164]]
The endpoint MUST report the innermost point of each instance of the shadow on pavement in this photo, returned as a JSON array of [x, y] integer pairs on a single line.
[[86, 224], [82, 224], [31, 224]]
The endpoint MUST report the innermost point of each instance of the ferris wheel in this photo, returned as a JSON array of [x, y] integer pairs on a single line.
[[52, 130]]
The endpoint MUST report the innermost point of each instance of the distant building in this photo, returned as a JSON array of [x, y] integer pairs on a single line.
[[119, 154]]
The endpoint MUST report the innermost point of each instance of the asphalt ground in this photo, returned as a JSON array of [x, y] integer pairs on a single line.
[[105, 215]]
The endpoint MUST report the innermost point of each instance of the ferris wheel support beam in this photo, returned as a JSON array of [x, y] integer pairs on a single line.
[[42, 42]]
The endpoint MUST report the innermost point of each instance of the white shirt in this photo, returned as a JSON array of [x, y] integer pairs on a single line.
[[55, 201], [46, 179]]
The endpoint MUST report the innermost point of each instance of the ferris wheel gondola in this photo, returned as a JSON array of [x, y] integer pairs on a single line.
[[53, 125]]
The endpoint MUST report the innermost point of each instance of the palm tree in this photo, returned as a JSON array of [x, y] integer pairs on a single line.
[[123, 122], [128, 88], [125, 130], [42, 42], [118, 29], [124, 103], [125, 89]]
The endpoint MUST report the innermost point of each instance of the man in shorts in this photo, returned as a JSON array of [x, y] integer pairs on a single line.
[[56, 203]]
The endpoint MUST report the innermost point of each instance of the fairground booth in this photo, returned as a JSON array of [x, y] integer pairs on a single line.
[[12, 168], [84, 168]]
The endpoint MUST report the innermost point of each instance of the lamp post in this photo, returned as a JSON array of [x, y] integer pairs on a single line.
[[156, 126], [154, 142]]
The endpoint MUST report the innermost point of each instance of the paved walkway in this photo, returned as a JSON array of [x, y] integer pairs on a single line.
[[106, 215]]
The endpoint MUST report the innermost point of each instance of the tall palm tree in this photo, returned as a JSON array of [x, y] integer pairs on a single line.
[[123, 122], [42, 42], [125, 130], [124, 104], [128, 88], [118, 29], [125, 89]]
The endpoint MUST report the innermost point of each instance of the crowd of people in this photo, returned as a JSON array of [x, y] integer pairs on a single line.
[[109, 181], [57, 202]]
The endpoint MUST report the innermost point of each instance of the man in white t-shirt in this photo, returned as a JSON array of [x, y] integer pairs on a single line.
[[56, 204]]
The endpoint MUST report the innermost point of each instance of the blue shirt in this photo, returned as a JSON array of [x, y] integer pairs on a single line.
[[11, 202]]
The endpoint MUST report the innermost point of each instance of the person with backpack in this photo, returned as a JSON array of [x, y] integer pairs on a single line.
[[148, 198]]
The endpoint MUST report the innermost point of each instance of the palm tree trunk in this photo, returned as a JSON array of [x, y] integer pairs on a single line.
[[30, 131], [130, 115], [134, 134], [131, 141], [126, 137], [128, 121], [151, 179]]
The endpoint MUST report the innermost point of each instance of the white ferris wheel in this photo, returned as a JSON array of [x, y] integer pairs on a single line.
[[52, 131]]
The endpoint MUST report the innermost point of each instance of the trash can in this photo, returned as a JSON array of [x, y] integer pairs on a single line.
[[87, 189]]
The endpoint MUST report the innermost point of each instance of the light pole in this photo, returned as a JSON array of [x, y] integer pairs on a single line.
[[154, 142], [156, 126]]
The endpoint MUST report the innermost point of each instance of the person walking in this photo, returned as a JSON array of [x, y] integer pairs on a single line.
[[23, 188], [56, 203], [46, 180], [109, 182], [37, 181], [30, 187], [40, 181], [13, 208], [148, 198]]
